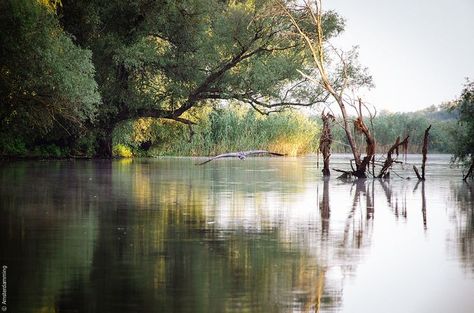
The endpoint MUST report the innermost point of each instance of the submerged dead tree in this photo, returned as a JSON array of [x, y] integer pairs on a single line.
[[384, 172], [424, 152], [325, 141], [360, 127], [470, 171], [313, 37]]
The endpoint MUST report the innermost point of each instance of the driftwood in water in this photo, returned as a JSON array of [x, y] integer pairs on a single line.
[[325, 141], [345, 174], [424, 151], [423, 201], [417, 172], [384, 173], [470, 171]]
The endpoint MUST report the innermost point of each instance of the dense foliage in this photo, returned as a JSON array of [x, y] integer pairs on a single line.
[[155, 59], [388, 126], [76, 76], [160, 59], [464, 144], [47, 84]]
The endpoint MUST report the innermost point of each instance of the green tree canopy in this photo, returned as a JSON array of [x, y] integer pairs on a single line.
[[162, 58], [45, 79], [464, 147]]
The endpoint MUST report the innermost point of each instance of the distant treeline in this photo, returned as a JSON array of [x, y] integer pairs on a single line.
[[386, 127]]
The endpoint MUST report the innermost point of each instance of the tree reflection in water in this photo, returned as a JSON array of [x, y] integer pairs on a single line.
[[462, 216], [148, 236]]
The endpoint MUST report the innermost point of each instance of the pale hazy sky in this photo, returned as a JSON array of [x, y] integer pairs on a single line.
[[418, 52]]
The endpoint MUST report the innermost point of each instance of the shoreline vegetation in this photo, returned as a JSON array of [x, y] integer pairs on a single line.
[[236, 129], [105, 79]]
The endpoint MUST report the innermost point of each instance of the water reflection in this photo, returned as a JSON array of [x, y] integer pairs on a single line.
[[264, 235], [462, 216]]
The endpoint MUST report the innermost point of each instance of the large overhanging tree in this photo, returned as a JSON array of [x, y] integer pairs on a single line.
[[156, 59], [47, 82], [163, 58]]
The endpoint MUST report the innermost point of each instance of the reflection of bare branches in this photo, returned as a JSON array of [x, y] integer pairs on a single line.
[[369, 202], [404, 208], [387, 190], [423, 201], [325, 209], [360, 188]]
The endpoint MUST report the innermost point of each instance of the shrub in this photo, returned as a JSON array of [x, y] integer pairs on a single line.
[[122, 151]]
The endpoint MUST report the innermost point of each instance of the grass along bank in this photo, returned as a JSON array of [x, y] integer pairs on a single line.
[[218, 131]]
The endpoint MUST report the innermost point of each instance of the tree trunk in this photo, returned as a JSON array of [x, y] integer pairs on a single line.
[[325, 142], [469, 172], [370, 149], [424, 152], [104, 143], [317, 51]]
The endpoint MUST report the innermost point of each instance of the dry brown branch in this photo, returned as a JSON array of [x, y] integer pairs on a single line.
[[389, 160], [470, 171], [424, 152], [316, 46]]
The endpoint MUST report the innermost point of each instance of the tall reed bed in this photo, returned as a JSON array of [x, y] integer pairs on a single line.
[[219, 131]]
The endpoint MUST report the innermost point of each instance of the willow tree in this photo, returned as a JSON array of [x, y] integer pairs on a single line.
[[347, 75], [164, 59], [47, 84]]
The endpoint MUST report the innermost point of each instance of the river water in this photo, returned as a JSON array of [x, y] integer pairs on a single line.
[[259, 235]]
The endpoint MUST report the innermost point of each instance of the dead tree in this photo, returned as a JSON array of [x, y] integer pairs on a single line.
[[389, 160], [325, 141], [360, 127], [424, 151], [315, 43], [470, 171]]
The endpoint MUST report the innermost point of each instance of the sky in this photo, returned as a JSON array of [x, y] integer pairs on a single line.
[[419, 52]]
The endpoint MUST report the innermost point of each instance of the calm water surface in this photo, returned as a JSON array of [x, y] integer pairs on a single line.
[[260, 235]]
